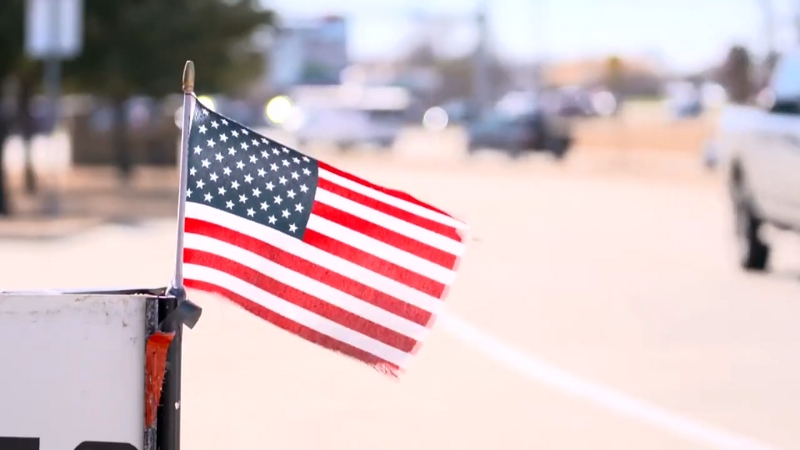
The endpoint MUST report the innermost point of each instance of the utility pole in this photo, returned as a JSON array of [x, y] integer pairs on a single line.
[[769, 24], [480, 68]]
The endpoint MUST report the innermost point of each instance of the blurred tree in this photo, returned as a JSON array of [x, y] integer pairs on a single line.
[[614, 76], [11, 50], [138, 47], [29, 76], [421, 55], [737, 75], [459, 73]]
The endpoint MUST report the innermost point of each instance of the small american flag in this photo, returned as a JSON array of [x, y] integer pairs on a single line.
[[349, 265]]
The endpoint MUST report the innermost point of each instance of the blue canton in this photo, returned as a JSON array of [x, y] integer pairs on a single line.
[[236, 170]]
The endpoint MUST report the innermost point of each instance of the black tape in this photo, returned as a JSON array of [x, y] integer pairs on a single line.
[[186, 313]]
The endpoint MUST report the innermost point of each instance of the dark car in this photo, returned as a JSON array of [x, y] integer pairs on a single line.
[[533, 131]]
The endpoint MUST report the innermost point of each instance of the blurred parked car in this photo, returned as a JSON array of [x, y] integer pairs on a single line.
[[575, 102], [346, 127], [760, 146], [684, 100], [519, 125]]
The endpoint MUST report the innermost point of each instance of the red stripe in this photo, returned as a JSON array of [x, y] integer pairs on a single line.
[[392, 192], [393, 238], [393, 211], [301, 299], [373, 263], [309, 269], [296, 328]]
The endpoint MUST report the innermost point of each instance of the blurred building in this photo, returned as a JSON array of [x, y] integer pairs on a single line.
[[638, 76], [309, 52]]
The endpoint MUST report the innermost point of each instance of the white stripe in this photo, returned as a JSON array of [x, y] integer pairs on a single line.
[[332, 262], [415, 232], [297, 314], [601, 396], [381, 250], [392, 200], [306, 284]]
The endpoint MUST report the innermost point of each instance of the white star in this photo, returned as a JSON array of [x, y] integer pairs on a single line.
[[231, 151], [200, 184], [253, 159], [235, 185], [224, 122], [285, 150], [203, 129], [254, 142], [292, 227], [264, 154], [250, 212], [290, 193], [298, 207], [264, 206], [264, 140], [239, 165], [285, 163], [226, 171], [208, 197], [223, 137], [306, 171], [296, 161], [270, 186], [248, 179], [205, 163], [242, 198], [256, 192], [218, 156], [221, 190], [282, 180], [244, 145], [192, 171], [285, 213], [295, 175], [244, 132], [229, 204], [234, 133], [188, 192], [276, 151], [274, 167], [210, 143], [214, 124], [303, 188], [213, 176], [278, 199], [272, 219], [261, 172], [197, 150], [305, 158]]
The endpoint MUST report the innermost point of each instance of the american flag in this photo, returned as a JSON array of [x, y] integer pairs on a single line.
[[354, 267]]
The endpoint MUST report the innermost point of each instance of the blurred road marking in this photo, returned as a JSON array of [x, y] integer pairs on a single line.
[[601, 396]]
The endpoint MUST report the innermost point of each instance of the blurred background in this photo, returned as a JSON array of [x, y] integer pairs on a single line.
[[591, 145]]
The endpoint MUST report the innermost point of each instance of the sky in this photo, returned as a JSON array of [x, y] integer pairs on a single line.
[[685, 34]]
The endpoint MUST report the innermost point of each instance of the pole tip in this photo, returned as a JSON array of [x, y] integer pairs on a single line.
[[188, 77]]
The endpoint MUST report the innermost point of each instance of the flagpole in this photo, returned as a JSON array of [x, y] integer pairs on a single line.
[[168, 426], [177, 287]]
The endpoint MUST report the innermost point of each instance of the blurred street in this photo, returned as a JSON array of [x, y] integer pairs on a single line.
[[614, 267], [625, 285]]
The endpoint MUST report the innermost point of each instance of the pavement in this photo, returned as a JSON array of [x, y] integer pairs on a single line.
[[599, 306]]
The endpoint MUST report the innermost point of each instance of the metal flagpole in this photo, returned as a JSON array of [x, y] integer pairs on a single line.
[[168, 426], [188, 103]]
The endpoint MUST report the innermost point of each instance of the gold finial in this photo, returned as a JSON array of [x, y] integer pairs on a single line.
[[188, 78]]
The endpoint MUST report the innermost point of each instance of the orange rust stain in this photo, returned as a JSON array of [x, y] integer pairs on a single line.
[[155, 367]]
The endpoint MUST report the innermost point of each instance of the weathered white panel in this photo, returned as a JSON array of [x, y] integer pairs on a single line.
[[72, 369]]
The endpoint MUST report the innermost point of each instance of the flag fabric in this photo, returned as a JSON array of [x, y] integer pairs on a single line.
[[352, 266]]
